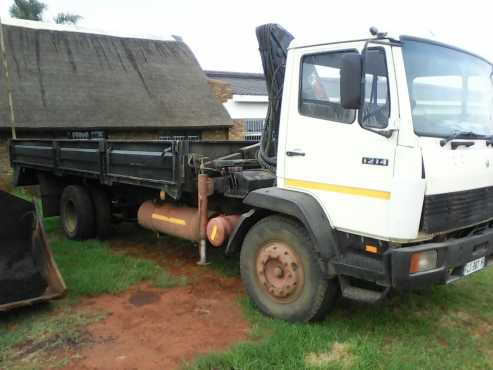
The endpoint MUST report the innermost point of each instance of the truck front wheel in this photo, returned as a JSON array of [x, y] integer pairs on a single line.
[[77, 213], [282, 272]]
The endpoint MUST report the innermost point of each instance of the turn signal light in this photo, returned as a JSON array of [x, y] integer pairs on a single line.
[[423, 261]]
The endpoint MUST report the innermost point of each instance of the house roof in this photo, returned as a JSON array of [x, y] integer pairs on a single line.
[[75, 28], [68, 77], [241, 83]]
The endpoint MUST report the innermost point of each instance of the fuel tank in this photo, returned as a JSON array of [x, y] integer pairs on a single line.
[[168, 218]]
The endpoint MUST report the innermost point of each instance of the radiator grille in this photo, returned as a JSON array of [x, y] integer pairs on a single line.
[[447, 211]]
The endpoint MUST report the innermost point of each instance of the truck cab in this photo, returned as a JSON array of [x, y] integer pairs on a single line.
[[402, 155], [387, 142], [387, 170]]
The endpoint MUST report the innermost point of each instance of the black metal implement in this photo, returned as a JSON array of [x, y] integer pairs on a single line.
[[28, 272]]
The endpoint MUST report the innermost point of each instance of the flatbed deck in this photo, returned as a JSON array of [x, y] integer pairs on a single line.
[[169, 165]]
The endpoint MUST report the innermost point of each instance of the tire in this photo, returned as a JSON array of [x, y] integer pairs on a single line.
[[102, 212], [278, 259], [77, 213]]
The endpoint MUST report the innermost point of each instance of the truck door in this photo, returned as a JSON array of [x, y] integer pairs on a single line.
[[333, 153]]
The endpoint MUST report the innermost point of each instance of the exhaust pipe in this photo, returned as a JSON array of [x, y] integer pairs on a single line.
[[220, 228]]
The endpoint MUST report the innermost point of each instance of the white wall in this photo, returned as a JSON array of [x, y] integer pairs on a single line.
[[246, 106]]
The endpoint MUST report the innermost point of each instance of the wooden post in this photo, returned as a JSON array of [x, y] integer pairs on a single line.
[[7, 78]]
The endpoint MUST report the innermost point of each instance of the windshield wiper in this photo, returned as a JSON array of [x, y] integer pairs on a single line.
[[462, 135]]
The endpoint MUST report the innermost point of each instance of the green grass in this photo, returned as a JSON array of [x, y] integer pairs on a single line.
[[29, 335], [446, 327], [90, 267]]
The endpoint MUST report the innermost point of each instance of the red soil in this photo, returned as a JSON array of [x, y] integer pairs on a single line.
[[151, 328]]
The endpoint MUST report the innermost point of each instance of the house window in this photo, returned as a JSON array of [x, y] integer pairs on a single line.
[[86, 135], [254, 129], [320, 95], [180, 135]]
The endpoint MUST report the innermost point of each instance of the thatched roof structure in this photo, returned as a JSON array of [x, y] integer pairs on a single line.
[[67, 77]]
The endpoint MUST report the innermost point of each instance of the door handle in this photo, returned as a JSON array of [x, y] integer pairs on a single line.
[[295, 152]]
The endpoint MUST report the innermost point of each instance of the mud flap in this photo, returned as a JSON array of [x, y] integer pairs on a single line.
[[28, 272]]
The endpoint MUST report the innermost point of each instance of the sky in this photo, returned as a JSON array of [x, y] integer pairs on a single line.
[[221, 33]]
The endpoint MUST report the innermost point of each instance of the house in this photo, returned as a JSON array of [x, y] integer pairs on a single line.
[[69, 82], [247, 105]]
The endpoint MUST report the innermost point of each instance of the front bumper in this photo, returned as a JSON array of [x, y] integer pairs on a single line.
[[453, 254]]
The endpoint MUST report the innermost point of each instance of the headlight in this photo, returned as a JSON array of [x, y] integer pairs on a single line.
[[423, 261]]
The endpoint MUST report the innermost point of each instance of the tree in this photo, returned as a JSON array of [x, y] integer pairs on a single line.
[[33, 10], [67, 18], [28, 9]]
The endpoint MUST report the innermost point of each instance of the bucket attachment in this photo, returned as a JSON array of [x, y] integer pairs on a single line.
[[28, 272]]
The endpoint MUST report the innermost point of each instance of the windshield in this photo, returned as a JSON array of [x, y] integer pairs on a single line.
[[451, 91]]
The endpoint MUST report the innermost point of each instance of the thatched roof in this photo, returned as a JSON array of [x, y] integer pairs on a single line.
[[67, 77]]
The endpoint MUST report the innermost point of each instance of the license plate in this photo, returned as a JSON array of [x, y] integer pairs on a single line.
[[474, 266]]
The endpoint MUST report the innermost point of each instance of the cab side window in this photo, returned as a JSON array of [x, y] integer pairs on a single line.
[[376, 102], [320, 93]]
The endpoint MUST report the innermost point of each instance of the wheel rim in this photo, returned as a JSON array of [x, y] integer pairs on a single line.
[[70, 217], [280, 272]]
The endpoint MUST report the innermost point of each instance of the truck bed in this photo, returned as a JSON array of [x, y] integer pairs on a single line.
[[158, 164]]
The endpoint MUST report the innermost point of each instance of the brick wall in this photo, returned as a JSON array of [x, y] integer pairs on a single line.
[[133, 135], [222, 90], [237, 132], [220, 134]]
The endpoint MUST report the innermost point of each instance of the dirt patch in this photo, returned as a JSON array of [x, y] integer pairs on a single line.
[[339, 353], [179, 325], [152, 328], [442, 341], [484, 329], [30, 349], [455, 318], [143, 297], [478, 327]]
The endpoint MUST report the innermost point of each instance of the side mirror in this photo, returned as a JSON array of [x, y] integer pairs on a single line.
[[350, 83]]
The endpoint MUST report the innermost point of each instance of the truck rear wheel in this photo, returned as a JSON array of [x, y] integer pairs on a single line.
[[102, 211], [282, 272], [77, 213]]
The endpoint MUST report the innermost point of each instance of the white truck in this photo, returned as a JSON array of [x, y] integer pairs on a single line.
[[375, 172]]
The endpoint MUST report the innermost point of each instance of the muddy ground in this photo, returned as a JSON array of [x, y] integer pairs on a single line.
[[149, 328]]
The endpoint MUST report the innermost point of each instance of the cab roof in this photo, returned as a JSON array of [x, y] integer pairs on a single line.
[[341, 38], [344, 37]]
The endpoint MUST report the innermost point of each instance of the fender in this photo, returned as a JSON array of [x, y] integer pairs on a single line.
[[301, 206], [247, 220]]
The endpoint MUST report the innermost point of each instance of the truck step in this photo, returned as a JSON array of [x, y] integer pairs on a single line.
[[360, 294], [363, 295]]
